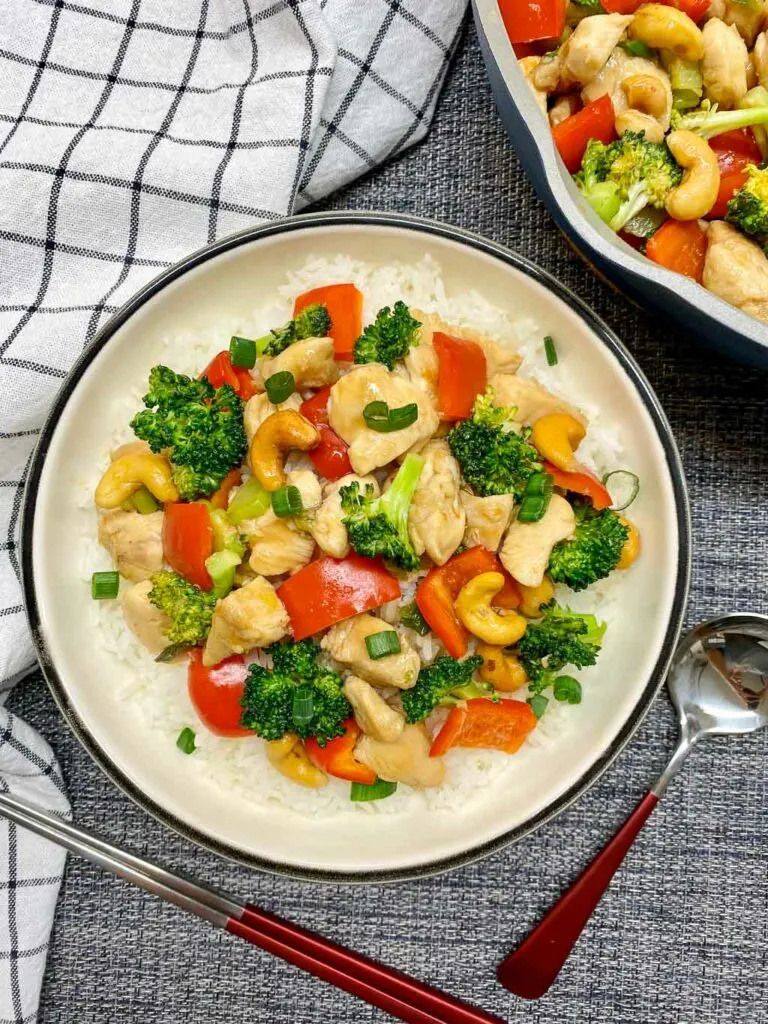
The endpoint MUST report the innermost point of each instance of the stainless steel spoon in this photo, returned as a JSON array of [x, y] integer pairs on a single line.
[[718, 681]]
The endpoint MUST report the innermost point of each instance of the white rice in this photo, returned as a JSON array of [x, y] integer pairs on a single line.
[[160, 692]]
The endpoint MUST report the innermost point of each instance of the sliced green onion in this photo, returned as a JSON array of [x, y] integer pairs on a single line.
[[536, 498], [303, 705], [286, 501], [144, 502], [171, 652], [637, 49], [538, 704], [646, 223], [380, 645], [378, 790], [105, 585], [411, 617], [550, 351], [627, 491], [249, 502], [378, 416], [221, 566], [567, 689], [242, 352], [186, 741], [279, 386]]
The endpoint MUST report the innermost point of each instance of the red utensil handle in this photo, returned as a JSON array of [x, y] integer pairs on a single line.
[[392, 991], [534, 965]]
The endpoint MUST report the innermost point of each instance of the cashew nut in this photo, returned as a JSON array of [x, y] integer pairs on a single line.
[[130, 472], [501, 668], [291, 760], [666, 28], [697, 192], [473, 606], [631, 548], [534, 597], [646, 93], [636, 121], [278, 434], [556, 436]]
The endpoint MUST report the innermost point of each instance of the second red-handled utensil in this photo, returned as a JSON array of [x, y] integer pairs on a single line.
[[718, 681]]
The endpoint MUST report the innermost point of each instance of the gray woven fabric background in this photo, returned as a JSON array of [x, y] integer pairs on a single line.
[[682, 937]]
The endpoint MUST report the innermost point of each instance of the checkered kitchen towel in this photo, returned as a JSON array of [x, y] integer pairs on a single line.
[[132, 132]]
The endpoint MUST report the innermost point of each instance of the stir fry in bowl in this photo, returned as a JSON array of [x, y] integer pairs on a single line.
[[660, 113], [364, 542]]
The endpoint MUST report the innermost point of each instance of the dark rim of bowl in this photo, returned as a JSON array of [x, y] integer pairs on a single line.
[[608, 338]]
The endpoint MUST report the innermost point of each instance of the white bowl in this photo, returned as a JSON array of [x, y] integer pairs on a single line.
[[227, 279]]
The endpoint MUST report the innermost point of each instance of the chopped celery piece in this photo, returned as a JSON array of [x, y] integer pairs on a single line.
[[221, 567], [250, 501]]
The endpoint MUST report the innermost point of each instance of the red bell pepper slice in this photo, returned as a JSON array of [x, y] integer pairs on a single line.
[[215, 692], [440, 588], [188, 541], [730, 183], [595, 121], [345, 307], [462, 375], [740, 141], [581, 483], [331, 589], [680, 246], [220, 498], [529, 20], [483, 723], [329, 457], [337, 757], [221, 371]]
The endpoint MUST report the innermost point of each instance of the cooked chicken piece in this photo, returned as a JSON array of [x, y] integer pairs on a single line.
[[736, 270], [372, 713], [253, 616], [527, 546], [500, 357], [546, 75], [564, 108], [406, 760], [372, 382], [346, 643], [748, 18], [134, 541], [760, 59], [724, 66], [311, 362], [258, 407], [590, 45], [436, 517], [528, 66], [282, 545], [531, 399], [146, 622], [327, 526], [620, 69], [487, 519]]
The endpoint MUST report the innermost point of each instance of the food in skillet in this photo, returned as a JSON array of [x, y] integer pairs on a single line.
[[359, 539], [660, 112]]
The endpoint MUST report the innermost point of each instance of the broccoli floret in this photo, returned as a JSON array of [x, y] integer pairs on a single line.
[[378, 527], [312, 322], [594, 550], [446, 680], [708, 121], [268, 698], [494, 459], [560, 638], [201, 425], [627, 175], [189, 608], [389, 337], [748, 210]]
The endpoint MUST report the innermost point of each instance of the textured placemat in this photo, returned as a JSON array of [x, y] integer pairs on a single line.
[[682, 936]]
